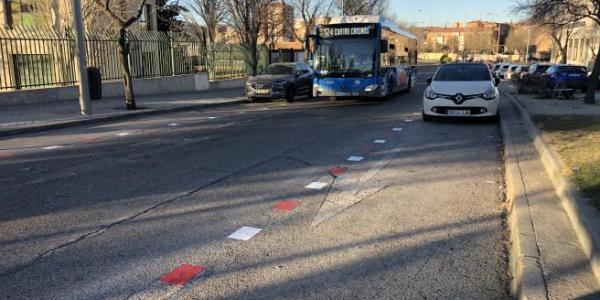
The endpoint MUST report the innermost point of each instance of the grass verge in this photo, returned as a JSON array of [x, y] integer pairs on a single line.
[[577, 141]]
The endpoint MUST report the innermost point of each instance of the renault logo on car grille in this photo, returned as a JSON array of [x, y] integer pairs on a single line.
[[459, 98]]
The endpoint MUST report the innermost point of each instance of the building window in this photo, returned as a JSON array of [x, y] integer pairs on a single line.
[[24, 13]]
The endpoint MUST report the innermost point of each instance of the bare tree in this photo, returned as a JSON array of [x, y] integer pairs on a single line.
[[516, 41], [565, 12], [118, 15], [247, 18], [210, 13], [361, 7], [308, 12]]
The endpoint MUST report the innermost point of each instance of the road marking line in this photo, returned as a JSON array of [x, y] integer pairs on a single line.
[[379, 141], [335, 171], [182, 274], [316, 185], [123, 134], [286, 205], [52, 147], [173, 124], [408, 120], [397, 129], [264, 108], [245, 233], [351, 190], [355, 158]]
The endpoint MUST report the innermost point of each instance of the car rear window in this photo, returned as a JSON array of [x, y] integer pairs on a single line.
[[505, 67], [573, 69], [463, 73], [513, 68]]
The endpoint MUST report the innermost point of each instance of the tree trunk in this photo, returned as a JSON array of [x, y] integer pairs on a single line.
[[563, 55], [127, 80], [590, 95], [254, 59]]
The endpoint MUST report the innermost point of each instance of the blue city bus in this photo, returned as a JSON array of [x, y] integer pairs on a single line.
[[362, 56]]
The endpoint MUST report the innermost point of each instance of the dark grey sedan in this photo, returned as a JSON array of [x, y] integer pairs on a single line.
[[281, 80]]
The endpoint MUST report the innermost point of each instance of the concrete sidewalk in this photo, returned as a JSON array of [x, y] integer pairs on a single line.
[[551, 247], [35, 117]]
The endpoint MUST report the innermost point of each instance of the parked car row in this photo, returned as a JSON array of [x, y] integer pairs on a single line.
[[548, 78]]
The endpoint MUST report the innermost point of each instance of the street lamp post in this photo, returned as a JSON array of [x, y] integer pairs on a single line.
[[84, 94]]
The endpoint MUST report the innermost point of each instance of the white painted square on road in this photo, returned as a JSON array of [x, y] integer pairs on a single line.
[[355, 158], [245, 233], [408, 120], [379, 141], [52, 147], [173, 124], [397, 129], [123, 133], [210, 118], [316, 185]]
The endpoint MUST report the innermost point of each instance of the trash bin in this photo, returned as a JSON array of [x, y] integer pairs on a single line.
[[95, 82]]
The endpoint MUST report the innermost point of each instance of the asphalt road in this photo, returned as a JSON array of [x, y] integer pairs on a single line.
[[104, 211]]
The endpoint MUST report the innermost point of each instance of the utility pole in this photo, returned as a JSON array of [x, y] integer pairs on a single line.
[[84, 93]]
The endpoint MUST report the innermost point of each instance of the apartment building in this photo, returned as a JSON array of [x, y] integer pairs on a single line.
[[583, 45]]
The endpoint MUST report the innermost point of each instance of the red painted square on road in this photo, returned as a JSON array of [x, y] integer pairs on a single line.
[[6, 154], [337, 171], [286, 205], [182, 274]]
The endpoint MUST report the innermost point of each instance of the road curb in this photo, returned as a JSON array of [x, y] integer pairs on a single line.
[[583, 217], [110, 118], [524, 266]]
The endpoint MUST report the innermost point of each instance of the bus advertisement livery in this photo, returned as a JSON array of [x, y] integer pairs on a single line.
[[363, 56]]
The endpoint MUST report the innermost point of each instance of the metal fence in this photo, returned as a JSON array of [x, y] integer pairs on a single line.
[[37, 57]]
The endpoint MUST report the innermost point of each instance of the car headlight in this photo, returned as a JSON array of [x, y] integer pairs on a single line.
[[430, 94], [490, 94], [317, 88], [371, 87]]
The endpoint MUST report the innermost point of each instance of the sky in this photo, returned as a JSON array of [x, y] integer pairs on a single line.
[[445, 12]]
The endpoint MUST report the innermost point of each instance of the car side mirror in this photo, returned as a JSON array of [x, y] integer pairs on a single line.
[[496, 81], [429, 80]]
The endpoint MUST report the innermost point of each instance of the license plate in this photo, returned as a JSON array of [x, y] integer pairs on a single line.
[[263, 91], [346, 94], [458, 113]]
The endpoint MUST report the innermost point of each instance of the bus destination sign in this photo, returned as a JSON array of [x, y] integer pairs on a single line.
[[347, 31]]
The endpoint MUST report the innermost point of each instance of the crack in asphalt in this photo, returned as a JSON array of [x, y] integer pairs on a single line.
[[100, 230]]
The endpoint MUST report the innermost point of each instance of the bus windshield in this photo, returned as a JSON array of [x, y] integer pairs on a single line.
[[346, 58]]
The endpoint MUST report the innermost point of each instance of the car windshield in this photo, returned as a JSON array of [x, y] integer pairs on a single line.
[[279, 70], [573, 69], [505, 67], [463, 73], [346, 58], [513, 68]]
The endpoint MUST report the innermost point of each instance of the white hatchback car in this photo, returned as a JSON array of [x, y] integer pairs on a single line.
[[462, 90]]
